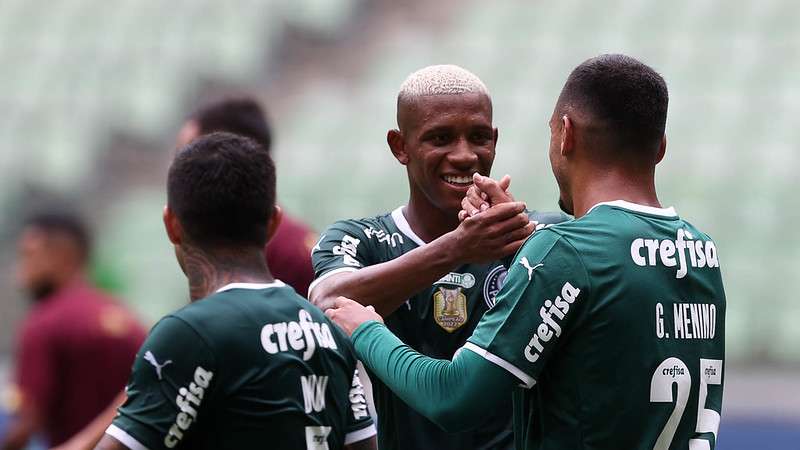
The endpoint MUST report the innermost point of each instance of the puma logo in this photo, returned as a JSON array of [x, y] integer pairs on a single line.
[[149, 357], [527, 265], [318, 246]]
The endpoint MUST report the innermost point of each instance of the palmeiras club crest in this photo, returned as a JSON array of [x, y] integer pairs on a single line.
[[494, 282]]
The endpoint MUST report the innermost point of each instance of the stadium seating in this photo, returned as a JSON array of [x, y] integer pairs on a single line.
[[731, 162], [75, 69]]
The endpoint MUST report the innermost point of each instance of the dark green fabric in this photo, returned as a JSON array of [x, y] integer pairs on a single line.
[[245, 368], [453, 394]]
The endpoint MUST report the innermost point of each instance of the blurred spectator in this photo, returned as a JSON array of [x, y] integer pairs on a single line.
[[289, 252], [76, 346]]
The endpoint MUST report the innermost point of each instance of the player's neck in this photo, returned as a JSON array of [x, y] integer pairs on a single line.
[[609, 185], [428, 221], [209, 271]]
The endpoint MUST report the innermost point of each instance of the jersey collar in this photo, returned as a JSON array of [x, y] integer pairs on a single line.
[[404, 226], [665, 212], [274, 284]]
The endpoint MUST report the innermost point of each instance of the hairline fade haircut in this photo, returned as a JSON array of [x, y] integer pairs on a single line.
[[240, 115], [441, 79], [222, 189], [625, 100], [66, 224]]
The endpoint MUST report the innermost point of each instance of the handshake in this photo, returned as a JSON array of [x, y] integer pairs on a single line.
[[493, 225]]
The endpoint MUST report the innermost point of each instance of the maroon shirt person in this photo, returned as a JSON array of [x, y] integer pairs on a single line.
[[76, 346], [289, 252]]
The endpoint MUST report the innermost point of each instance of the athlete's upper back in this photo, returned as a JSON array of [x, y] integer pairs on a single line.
[[604, 315], [248, 366]]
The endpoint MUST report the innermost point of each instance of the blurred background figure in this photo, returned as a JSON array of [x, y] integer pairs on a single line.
[[76, 346], [288, 253]]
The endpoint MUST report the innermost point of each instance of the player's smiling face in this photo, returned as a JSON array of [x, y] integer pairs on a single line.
[[445, 139]]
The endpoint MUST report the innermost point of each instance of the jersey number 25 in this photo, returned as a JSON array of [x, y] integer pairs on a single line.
[[673, 370]]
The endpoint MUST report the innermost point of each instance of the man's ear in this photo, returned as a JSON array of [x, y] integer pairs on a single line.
[[173, 226], [495, 136], [274, 222], [397, 145], [662, 149], [567, 135]]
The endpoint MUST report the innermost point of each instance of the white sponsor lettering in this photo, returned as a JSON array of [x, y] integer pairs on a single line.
[[382, 236], [650, 252], [358, 401], [549, 326], [314, 392], [188, 402], [464, 280], [348, 250], [303, 335]]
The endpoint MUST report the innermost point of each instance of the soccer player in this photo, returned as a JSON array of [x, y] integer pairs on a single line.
[[249, 363], [612, 325], [289, 251], [430, 277], [76, 346]]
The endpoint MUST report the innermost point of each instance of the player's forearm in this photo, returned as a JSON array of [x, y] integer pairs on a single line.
[[388, 285], [443, 391], [92, 433]]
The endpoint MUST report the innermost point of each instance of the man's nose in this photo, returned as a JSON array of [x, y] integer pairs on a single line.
[[463, 156]]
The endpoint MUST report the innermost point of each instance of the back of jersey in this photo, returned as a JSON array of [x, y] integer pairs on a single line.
[[647, 350], [252, 366], [615, 324]]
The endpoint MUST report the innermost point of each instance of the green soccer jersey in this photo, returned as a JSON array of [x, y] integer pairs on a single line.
[[252, 366], [615, 325], [436, 322]]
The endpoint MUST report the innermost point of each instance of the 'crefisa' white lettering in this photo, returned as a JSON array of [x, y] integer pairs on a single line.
[[649, 252], [552, 310], [188, 402], [303, 335]]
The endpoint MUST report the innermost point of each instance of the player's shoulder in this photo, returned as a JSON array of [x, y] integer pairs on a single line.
[[546, 242], [359, 225], [548, 217], [695, 232]]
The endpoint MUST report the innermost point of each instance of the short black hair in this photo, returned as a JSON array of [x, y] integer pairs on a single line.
[[625, 95], [239, 115], [221, 186], [65, 223]]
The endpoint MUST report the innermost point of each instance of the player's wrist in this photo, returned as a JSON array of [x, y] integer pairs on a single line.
[[447, 250], [363, 329]]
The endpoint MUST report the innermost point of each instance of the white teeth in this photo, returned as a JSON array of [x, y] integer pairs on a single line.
[[458, 180]]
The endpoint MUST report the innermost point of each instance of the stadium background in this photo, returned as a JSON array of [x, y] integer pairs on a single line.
[[92, 93]]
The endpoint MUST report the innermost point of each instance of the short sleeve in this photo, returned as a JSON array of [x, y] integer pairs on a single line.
[[36, 368], [174, 376], [545, 293], [359, 422], [341, 248]]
